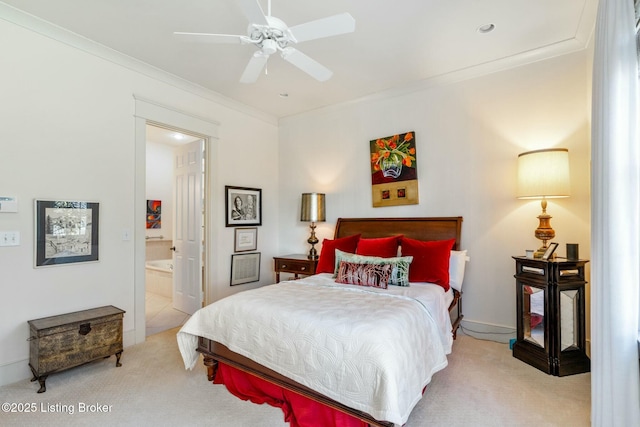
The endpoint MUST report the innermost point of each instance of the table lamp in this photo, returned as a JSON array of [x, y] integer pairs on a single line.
[[543, 174], [313, 210]]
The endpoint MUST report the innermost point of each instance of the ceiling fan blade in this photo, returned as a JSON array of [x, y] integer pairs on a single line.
[[325, 27], [254, 68], [213, 38], [306, 64], [253, 12]]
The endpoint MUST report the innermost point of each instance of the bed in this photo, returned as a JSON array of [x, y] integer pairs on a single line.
[[234, 356]]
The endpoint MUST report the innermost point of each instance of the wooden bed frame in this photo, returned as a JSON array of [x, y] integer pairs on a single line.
[[435, 228]]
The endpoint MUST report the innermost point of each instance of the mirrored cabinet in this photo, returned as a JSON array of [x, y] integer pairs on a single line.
[[550, 306]]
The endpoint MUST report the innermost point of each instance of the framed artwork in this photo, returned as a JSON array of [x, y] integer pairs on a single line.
[[550, 250], [245, 268], [246, 239], [65, 232], [394, 174], [243, 206], [154, 214]]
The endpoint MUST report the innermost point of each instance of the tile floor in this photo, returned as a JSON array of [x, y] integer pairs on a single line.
[[160, 315]]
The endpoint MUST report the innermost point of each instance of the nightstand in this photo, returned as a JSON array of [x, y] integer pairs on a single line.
[[550, 306], [297, 264]]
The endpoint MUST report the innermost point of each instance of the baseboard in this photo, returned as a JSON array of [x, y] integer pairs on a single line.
[[13, 372], [128, 338], [487, 331]]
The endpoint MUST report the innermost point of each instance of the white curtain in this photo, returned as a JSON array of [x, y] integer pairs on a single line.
[[615, 235]]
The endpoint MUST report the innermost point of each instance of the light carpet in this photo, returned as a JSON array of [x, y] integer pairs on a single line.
[[482, 386]]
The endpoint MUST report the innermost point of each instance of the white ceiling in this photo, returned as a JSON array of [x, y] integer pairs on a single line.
[[168, 137], [397, 45]]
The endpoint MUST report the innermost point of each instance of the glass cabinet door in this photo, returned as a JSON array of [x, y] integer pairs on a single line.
[[533, 314], [569, 319]]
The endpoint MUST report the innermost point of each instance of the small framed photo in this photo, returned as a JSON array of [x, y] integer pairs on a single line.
[[246, 239], [245, 268], [65, 232], [550, 250], [243, 206]]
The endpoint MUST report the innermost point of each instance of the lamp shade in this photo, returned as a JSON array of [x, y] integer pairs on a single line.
[[313, 207], [544, 174]]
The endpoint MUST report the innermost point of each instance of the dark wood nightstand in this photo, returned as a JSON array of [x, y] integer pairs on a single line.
[[550, 306], [297, 264]]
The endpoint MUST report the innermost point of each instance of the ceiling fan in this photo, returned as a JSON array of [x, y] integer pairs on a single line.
[[270, 35]]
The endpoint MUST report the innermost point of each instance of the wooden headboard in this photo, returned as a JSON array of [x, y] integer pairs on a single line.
[[420, 228]]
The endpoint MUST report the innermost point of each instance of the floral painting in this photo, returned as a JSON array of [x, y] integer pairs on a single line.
[[394, 174]]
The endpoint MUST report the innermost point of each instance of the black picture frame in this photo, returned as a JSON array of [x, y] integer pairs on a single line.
[[245, 268], [249, 210], [66, 232], [550, 250]]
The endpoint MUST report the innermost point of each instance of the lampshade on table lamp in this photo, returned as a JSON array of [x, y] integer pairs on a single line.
[[313, 210], [544, 174]]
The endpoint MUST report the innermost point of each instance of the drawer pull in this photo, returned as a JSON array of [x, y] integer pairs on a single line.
[[569, 272], [303, 268], [85, 328], [527, 269], [283, 266]]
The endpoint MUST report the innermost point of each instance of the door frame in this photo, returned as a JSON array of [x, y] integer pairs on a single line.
[[151, 112]]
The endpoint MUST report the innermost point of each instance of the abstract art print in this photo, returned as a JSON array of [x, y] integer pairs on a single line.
[[154, 214], [394, 174]]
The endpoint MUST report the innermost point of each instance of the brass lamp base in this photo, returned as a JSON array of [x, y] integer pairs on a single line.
[[544, 231], [540, 252], [312, 240]]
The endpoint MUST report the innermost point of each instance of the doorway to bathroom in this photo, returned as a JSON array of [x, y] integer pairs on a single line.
[[174, 244]]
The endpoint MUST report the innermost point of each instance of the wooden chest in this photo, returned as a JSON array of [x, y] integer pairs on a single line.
[[67, 340]]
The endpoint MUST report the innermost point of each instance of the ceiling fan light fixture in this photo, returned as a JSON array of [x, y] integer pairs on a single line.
[[270, 35], [269, 46]]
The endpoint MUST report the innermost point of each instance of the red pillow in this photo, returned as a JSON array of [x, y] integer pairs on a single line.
[[430, 260], [327, 260], [384, 247]]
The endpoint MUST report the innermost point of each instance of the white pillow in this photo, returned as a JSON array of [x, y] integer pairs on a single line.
[[457, 263]]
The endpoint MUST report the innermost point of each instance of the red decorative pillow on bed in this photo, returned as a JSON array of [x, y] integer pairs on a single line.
[[374, 275], [430, 260], [327, 260], [384, 247]]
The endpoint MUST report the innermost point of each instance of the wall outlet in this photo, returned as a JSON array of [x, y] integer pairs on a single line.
[[9, 238]]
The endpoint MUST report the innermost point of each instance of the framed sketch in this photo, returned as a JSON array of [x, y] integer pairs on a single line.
[[243, 206], [246, 239], [245, 268], [550, 250], [65, 232]]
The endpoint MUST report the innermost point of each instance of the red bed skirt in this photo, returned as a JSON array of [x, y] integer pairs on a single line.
[[299, 411]]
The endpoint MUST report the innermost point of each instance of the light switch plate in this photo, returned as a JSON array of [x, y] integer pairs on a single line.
[[9, 238]]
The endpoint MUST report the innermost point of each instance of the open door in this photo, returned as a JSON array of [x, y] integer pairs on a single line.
[[187, 240]]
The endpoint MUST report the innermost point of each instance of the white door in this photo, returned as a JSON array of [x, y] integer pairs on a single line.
[[187, 239]]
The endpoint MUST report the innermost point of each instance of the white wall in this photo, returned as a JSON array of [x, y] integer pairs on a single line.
[[160, 186], [69, 132], [468, 136]]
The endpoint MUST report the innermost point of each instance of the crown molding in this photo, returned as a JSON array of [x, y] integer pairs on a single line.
[[62, 35]]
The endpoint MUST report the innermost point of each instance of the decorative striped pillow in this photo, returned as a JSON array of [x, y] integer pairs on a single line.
[[399, 265], [373, 275]]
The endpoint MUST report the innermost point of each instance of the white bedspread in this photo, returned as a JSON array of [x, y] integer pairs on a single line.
[[371, 349]]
